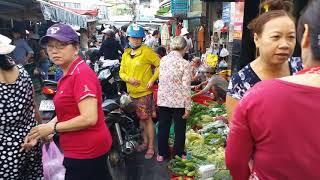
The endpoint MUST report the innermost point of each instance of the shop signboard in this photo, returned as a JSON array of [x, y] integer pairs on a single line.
[[226, 7], [179, 7], [238, 21]]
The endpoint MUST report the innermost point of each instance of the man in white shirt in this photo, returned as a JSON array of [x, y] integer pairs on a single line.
[[185, 33]]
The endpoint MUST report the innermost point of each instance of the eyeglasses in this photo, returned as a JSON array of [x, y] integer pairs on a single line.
[[58, 46]]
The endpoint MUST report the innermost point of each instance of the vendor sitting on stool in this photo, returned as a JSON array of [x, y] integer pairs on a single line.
[[197, 71], [217, 84]]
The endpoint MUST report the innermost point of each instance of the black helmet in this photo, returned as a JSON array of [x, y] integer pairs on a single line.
[[109, 32]]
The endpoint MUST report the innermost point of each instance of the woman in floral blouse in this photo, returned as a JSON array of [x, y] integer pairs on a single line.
[[174, 98]]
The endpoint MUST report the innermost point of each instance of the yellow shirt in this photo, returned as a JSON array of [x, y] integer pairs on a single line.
[[139, 68]]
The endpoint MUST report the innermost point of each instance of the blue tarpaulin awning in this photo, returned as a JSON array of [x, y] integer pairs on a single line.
[[56, 13]]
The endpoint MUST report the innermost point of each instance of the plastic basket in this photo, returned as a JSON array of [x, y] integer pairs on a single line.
[[202, 99]]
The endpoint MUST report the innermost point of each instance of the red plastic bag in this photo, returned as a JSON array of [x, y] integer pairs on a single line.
[[52, 160]]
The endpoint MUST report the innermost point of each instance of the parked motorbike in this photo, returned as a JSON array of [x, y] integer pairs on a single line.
[[46, 108], [120, 117]]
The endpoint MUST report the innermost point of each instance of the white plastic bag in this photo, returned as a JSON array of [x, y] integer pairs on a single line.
[[52, 160]]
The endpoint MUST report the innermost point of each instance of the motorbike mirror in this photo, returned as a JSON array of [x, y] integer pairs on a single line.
[[48, 90]]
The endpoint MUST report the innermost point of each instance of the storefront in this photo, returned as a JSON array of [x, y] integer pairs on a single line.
[[30, 13], [224, 21]]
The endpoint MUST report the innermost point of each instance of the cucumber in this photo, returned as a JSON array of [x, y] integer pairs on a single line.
[[179, 165], [200, 157], [185, 172], [192, 173], [178, 157], [178, 171], [189, 164], [191, 168]]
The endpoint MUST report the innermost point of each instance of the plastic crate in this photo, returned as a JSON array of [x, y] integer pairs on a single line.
[[206, 172], [202, 99]]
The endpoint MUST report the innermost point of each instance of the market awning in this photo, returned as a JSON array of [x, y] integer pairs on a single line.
[[93, 12], [57, 13], [20, 10]]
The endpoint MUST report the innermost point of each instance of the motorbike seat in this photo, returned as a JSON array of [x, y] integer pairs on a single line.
[[109, 105], [49, 83]]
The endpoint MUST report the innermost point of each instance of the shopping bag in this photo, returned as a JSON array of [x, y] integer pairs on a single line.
[[52, 160]]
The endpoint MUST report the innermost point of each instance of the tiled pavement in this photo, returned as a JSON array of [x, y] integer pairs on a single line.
[[140, 168]]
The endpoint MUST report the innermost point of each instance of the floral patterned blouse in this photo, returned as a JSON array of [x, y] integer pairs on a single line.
[[174, 82], [246, 78]]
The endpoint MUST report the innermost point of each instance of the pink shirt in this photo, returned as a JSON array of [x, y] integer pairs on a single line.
[[174, 82], [277, 125], [79, 83]]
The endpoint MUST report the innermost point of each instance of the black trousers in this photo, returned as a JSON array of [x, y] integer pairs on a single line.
[[87, 169], [165, 119]]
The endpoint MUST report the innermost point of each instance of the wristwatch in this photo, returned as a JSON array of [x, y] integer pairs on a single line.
[[55, 128]]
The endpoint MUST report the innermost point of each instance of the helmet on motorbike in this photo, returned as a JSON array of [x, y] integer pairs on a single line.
[[135, 31], [109, 32]]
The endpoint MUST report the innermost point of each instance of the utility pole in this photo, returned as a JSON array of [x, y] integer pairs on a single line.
[[133, 9]]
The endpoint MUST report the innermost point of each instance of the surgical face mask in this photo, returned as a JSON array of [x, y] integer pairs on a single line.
[[134, 46], [6, 62]]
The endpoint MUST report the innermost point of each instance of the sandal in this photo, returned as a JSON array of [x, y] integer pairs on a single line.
[[149, 154], [160, 158], [141, 147]]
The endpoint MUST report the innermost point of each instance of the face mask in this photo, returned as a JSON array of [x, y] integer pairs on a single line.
[[6, 63], [134, 46]]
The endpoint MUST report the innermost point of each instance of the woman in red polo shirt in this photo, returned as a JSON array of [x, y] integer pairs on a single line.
[[84, 136]]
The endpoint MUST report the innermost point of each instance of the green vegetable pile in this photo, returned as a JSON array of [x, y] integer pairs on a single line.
[[182, 167], [205, 141], [206, 137], [52, 68], [201, 114]]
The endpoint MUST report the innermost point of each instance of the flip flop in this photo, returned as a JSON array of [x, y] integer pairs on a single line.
[[149, 154], [160, 158]]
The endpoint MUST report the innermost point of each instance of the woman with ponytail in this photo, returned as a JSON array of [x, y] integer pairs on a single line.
[[275, 37], [277, 122]]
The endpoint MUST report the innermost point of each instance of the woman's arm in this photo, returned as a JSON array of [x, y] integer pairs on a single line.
[[240, 144], [37, 113], [231, 104], [186, 83], [88, 117], [122, 73]]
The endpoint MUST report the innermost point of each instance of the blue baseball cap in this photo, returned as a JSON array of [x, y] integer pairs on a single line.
[[60, 32]]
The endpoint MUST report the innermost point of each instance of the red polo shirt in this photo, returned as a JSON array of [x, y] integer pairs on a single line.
[[79, 83]]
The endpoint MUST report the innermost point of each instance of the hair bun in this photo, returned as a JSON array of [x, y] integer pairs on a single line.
[[270, 5]]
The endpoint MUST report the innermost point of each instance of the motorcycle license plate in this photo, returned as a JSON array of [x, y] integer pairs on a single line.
[[46, 105]]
